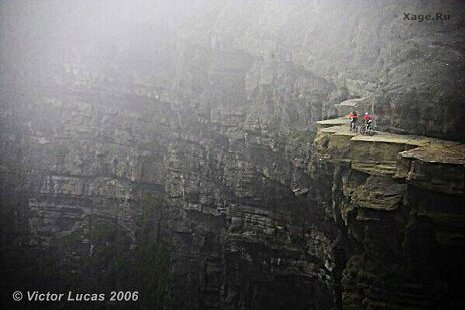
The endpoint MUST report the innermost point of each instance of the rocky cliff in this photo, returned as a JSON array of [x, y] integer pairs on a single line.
[[183, 155], [397, 199]]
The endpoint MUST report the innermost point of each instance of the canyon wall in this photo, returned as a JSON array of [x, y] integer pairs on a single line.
[[182, 157]]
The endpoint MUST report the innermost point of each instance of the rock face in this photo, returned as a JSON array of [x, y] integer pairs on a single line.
[[185, 158], [396, 208]]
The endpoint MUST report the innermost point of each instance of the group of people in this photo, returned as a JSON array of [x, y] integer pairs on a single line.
[[353, 116]]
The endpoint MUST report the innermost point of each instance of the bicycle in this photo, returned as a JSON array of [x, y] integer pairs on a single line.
[[367, 129]]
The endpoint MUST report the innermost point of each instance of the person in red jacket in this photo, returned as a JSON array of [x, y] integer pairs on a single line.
[[353, 120], [367, 119]]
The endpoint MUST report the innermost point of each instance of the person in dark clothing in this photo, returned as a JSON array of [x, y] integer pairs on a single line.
[[353, 120]]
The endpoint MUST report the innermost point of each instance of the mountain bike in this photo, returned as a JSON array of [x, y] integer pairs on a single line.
[[367, 129]]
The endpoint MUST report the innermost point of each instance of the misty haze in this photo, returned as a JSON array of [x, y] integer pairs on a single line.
[[232, 154]]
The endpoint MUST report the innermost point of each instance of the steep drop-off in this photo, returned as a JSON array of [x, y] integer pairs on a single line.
[[399, 201]]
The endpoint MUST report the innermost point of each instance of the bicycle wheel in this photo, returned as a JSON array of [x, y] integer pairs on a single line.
[[362, 129], [371, 131]]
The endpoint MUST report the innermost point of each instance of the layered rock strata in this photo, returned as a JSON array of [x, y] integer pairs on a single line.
[[399, 202]]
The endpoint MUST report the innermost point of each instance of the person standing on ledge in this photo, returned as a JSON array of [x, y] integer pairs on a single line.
[[353, 120]]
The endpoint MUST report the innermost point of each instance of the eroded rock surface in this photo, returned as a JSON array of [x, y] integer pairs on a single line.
[[400, 210]]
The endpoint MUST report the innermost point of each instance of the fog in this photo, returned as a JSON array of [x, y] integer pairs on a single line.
[[204, 154], [38, 34]]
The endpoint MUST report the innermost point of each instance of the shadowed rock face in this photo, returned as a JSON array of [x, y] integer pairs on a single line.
[[399, 200], [176, 156]]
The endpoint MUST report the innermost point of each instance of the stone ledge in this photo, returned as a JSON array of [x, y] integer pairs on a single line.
[[438, 166], [426, 162], [332, 122]]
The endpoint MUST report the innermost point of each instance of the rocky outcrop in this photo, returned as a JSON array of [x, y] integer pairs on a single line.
[[398, 201]]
